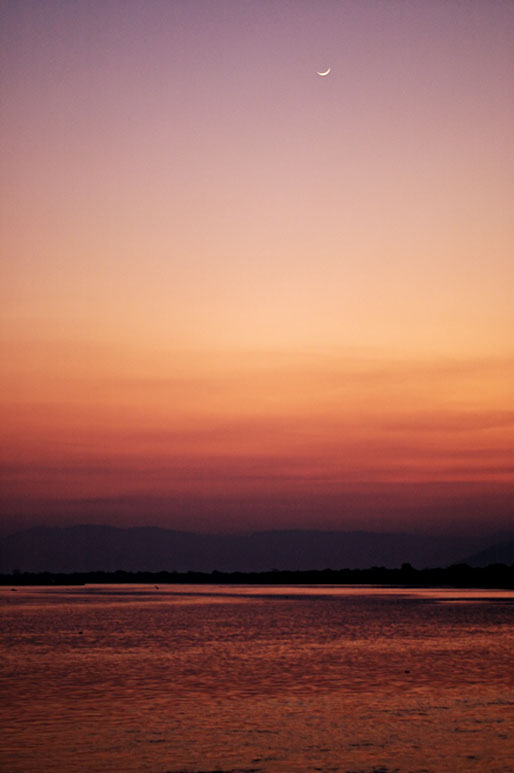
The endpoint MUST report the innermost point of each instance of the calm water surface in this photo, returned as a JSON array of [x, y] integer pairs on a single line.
[[269, 680]]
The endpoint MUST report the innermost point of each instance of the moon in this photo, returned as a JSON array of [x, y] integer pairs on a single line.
[[324, 73]]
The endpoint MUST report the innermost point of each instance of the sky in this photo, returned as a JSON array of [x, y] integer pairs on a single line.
[[236, 295]]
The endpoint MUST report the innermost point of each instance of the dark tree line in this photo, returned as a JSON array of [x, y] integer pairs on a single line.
[[457, 576]]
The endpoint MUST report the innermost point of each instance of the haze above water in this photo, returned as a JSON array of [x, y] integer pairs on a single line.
[[182, 678]]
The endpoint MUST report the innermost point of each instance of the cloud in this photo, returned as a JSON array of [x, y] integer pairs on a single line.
[[450, 422], [288, 423]]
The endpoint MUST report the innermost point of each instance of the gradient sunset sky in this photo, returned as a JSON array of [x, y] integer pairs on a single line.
[[236, 295]]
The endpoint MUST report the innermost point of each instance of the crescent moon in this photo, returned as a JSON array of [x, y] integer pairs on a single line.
[[324, 73]]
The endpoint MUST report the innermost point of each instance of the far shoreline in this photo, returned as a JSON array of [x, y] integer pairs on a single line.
[[494, 576]]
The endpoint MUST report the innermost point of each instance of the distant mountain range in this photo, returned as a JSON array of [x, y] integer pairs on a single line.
[[501, 553], [107, 548]]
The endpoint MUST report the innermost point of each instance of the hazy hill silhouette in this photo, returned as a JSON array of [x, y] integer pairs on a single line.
[[107, 548], [501, 553]]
